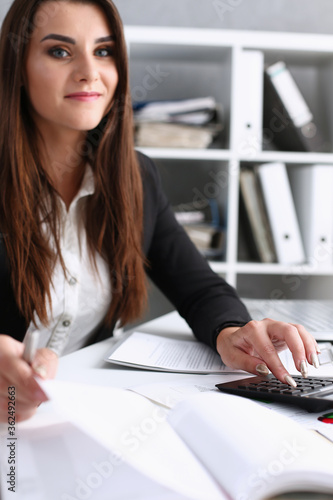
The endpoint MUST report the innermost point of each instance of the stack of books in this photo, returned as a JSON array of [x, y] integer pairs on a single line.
[[203, 228], [185, 123]]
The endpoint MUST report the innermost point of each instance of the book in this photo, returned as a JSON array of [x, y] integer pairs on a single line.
[[175, 135], [208, 239], [98, 442], [288, 120], [253, 452], [198, 111], [256, 215], [210, 446], [312, 187], [249, 103], [182, 123], [281, 212]]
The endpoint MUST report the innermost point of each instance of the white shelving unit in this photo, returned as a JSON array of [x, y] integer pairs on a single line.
[[171, 63]]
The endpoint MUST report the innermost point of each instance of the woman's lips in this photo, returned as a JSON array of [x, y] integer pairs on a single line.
[[84, 96]]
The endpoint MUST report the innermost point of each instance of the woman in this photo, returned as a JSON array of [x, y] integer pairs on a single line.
[[83, 217]]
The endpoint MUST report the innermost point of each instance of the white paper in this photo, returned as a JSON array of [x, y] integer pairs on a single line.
[[60, 462], [170, 393], [144, 350], [256, 444], [133, 428]]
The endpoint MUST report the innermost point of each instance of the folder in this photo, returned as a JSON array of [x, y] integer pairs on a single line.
[[256, 215], [249, 103], [281, 212], [312, 187], [288, 121]]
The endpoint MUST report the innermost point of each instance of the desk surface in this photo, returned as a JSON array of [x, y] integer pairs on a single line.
[[87, 365]]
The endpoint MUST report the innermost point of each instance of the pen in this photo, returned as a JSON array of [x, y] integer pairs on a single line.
[[30, 345]]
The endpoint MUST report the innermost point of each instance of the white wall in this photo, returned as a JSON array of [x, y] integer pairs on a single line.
[[276, 15]]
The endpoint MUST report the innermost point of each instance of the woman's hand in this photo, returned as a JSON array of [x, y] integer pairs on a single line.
[[15, 372], [255, 346]]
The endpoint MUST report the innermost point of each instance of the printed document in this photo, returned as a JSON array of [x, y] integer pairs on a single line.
[[154, 352]]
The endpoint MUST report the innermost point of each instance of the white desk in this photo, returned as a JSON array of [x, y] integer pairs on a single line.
[[170, 324], [87, 365]]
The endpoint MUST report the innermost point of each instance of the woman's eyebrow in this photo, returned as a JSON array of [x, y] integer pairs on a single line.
[[110, 38], [67, 39], [60, 38]]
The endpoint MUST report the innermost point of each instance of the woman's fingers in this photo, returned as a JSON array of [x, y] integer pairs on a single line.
[[45, 363], [254, 348], [310, 345], [251, 349], [16, 373]]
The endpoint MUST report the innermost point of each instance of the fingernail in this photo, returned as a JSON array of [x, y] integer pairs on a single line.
[[304, 368], [40, 370], [314, 360], [262, 369], [289, 380]]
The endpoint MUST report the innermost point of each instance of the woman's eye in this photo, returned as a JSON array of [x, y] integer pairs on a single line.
[[58, 53], [104, 52]]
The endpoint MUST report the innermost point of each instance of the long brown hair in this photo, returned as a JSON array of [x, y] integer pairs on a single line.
[[114, 213]]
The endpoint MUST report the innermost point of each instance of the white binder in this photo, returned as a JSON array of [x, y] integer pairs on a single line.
[[249, 103], [281, 213], [312, 187]]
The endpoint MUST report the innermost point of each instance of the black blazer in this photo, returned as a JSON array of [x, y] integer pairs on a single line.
[[204, 299]]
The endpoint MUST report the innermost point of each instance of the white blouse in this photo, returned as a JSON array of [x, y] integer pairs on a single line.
[[80, 302]]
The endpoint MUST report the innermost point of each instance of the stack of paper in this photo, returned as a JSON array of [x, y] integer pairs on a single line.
[[187, 123]]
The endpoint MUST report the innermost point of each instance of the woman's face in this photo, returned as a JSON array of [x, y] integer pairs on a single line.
[[70, 72]]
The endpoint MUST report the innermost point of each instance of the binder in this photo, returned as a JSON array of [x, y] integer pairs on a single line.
[[312, 187], [257, 216], [250, 101], [288, 121], [281, 212]]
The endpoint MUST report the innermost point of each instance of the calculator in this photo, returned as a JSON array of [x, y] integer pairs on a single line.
[[314, 394]]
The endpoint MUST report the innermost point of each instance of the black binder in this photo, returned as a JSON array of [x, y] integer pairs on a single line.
[[280, 127]]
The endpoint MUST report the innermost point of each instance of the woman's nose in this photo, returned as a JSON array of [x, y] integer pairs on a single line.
[[86, 69]]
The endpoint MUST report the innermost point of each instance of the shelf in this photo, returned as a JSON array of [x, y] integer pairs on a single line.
[[188, 154], [179, 63], [287, 157], [271, 269], [219, 267], [283, 269], [316, 45], [227, 154]]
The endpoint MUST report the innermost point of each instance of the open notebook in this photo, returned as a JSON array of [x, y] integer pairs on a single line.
[[116, 445]]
